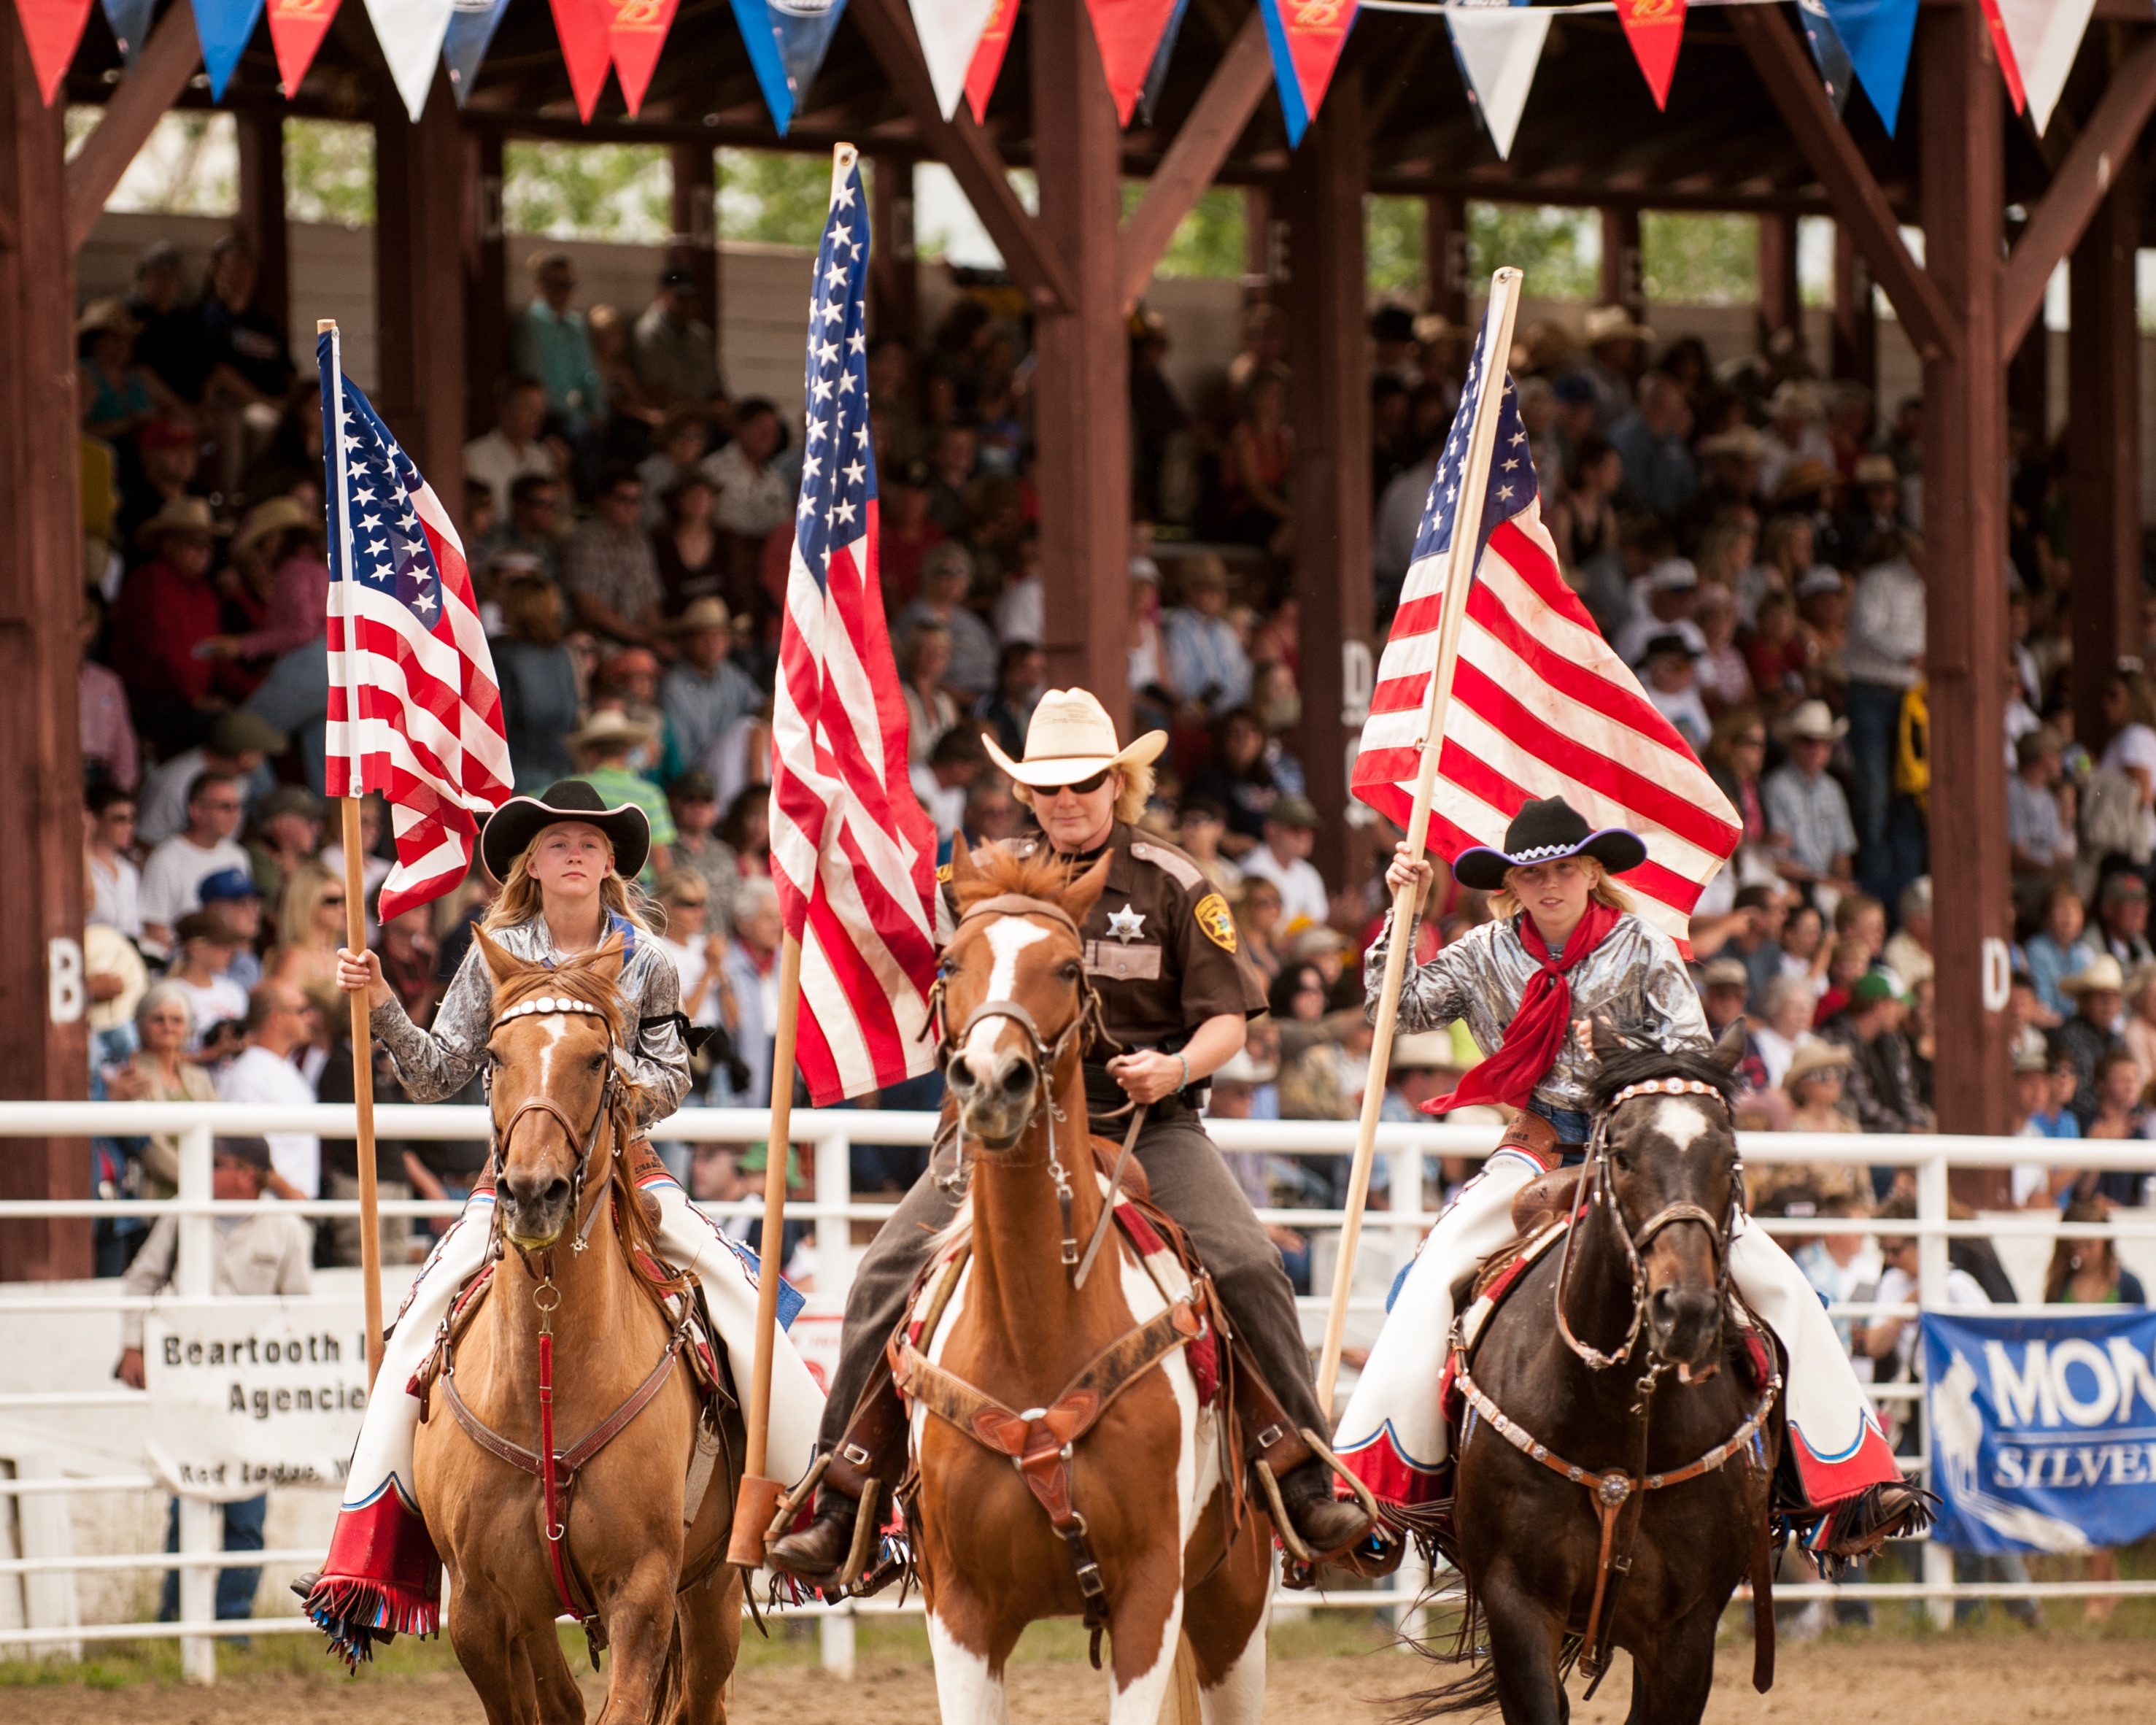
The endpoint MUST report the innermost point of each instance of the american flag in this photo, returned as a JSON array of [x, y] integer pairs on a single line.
[[852, 852], [1541, 705], [414, 712]]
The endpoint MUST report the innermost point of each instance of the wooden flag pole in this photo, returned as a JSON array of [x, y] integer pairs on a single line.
[[758, 1501], [362, 1039], [1459, 576]]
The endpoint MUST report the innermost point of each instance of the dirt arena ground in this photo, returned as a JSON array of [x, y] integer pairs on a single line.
[[1974, 1679]]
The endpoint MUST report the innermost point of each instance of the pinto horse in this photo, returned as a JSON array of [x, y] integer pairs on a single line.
[[562, 1344], [1177, 1560], [1615, 1460]]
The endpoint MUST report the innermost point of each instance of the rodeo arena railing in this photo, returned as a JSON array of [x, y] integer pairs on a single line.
[[47, 1573]]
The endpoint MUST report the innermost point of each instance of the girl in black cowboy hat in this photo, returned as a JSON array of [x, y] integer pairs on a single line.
[[1564, 946], [567, 863]]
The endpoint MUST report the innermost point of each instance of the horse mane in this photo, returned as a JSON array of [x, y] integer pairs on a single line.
[[1637, 1066], [1043, 875]]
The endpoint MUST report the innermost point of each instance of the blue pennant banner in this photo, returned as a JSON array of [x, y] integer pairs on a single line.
[[1149, 93], [1879, 34], [759, 35], [804, 29], [130, 25], [1828, 54], [472, 25], [224, 27]]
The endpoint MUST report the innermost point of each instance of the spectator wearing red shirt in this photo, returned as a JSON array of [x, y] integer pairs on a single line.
[[168, 606]]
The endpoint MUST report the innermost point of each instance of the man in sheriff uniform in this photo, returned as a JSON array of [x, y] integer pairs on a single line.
[[1175, 997]]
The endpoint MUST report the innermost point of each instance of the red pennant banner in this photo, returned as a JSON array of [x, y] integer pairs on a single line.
[[988, 61], [1128, 31], [581, 26], [636, 31], [2010, 69], [296, 30], [51, 28], [1655, 30]]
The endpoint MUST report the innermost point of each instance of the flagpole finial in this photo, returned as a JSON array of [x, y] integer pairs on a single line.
[[843, 159], [325, 326]]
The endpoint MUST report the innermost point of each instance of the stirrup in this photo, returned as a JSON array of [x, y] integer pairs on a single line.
[[1376, 1551]]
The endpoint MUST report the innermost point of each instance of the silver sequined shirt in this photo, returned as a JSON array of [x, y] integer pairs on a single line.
[[1634, 978], [440, 1061]]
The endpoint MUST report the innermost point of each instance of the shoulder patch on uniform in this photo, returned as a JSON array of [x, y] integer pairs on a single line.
[[943, 873], [1214, 918], [1169, 861]]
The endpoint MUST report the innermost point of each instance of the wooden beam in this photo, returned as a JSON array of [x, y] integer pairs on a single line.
[[487, 276], [1621, 284], [894, 264], [1445, 256], [261, 138], [693, 174], [1960, 144], [1779, 308], [2097, 157], [420, 207], [1231, 96], [1855, 317], [970, 154], [1785, 67], [44, 1049], [168, 59]]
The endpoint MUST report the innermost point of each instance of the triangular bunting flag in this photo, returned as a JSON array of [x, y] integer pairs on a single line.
[[759, 36], [1498, 47], [472, 25], [296, 30], [51, 28], [411, 32], [1304, 42], [1878, 34], [2046, 34], [804, 29], [1162, 55], [131, 26], [1828, 53], [1128, 31], [949, 30], [2009, 71], [581, 27], [636, 30], [223, 27], [1655, 28], [988, 61]]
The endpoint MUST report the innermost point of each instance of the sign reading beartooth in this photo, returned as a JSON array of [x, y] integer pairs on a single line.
[[245, 1394], [2043, 1430]]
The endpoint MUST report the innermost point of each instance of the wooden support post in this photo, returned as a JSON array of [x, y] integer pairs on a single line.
[[43, 1045], [1962, 199], [2103, 488], [2029, 386], [1329, 368], [894, 265], [1621, 280], [1258, 260], [1083, 420], [419, 289], [1855, 317], [486, 279], [139, 101], [262, 209], [1444, 255], [694, 169], [1779, 308]]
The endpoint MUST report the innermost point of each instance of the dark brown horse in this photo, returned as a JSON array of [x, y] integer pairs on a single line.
[[1620, 1442]]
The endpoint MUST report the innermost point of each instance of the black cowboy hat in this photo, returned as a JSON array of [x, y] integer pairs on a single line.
[[515, 824], [1543, 832]]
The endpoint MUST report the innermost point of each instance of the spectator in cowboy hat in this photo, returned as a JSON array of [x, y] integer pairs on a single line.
[[604, 746], [168, 606], [2098, 992], [1663, 600], [1877, 508], [1807, 814], [1616, 345], [1796, 432], [704, 691]]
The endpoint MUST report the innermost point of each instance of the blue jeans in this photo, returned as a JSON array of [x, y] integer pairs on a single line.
[[1573, 1127], [235, 1588], [1890, 832]]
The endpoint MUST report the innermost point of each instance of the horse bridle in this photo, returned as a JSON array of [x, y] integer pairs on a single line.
[[499, 1134], [1601, 1194]]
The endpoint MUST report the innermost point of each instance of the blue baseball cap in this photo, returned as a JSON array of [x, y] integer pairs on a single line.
[[227, 884]]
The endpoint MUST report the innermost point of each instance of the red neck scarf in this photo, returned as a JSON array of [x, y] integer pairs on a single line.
[[1537, 1033]]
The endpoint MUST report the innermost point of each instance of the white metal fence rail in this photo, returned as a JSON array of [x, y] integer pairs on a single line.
[[1406, 1149]]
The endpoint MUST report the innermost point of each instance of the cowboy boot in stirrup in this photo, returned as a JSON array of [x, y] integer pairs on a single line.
[[837, 1547], [1325, 1523]]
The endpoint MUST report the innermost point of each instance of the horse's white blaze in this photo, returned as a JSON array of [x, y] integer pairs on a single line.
[[1682, 1121], [555, 1026], [1008, 937], [966, 1691]]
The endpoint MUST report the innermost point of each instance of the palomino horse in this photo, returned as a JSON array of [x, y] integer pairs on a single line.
[[1130, 1458], [1593, 1504], [608, 1531]]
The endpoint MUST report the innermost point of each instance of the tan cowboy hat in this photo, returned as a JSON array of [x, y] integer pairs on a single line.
[[1424, 1052], [1803, 480], [179, 514], [706, 613], [1794, 399], [1814, 721], [609, 725], [1741, 441], [2100, 974], [275, 515], [1612, 323], [1813, 1057], [1071, 737]]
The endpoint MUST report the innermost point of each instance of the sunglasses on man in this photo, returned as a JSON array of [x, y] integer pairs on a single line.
[[1082, 788]]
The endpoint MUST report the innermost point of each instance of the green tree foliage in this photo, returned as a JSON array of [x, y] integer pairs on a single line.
[[1208, 241], [1392, 237], [618, 192], [780, 199], [1558, 250], [329, 173], [1699, 260], [188, 166]]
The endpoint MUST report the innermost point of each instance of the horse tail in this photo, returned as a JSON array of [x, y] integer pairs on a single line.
[[1475, 1690], [1181, 1705], [670, 1692]]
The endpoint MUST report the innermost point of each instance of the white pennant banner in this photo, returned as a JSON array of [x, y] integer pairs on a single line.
[[2045, 35], [411, 32], [949, 31], [1498, 46]]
